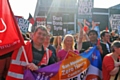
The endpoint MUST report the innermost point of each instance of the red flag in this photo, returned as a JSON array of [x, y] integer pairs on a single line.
[[31, 19], [10, 36], [85, 28]]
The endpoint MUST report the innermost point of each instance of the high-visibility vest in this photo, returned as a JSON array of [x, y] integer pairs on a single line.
[[18, 63]]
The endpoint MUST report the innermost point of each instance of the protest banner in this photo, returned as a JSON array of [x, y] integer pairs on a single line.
[[57, 25], [87, 66], [85, 13], [23, 24], [115, 21], [85, 8], [41, 20]]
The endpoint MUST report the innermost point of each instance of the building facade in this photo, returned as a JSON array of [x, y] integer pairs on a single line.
[[68, 10]]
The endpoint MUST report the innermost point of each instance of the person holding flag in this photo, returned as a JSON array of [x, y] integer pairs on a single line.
[[33, 56], [87, 45]]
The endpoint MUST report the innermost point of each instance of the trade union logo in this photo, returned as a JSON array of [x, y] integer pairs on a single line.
[[4, 25]]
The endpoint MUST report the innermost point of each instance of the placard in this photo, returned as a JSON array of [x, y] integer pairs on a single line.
[[57, 25]]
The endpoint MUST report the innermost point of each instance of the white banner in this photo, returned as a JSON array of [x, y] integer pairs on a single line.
[[85, 7], [23, 24], [115, 21]]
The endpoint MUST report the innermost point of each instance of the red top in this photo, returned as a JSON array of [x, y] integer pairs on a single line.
[[107, 66]]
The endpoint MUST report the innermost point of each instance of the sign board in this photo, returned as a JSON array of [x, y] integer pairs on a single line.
[[57, 25], [85, 12], [85, 8], [23, 24], [41, 20], [115, 21]]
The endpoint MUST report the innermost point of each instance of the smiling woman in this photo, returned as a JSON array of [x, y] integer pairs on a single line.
[[23, 7]]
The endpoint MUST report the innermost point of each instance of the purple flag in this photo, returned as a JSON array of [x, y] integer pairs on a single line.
[[42, 73]]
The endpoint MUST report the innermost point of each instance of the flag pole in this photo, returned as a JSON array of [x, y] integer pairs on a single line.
[[24, 52]]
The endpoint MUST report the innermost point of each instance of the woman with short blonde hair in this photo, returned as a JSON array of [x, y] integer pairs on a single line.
[[63, 42], [68, 44]]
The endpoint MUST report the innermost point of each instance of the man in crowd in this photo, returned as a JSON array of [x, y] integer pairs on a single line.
[[36, 55], [47, 44], [86, 46], [105, 39]]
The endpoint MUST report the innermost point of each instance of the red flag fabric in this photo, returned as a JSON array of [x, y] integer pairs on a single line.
[[85, 28], [10, 36], [31, 19]]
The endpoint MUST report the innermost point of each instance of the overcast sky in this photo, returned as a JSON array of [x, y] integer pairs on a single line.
[[105, 3], [24, 7]]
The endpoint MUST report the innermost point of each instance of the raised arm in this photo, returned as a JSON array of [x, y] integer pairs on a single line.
[[86, 36], [93, 25], [80, 37]]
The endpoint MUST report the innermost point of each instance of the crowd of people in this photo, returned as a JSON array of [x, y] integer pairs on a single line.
[[43, 49]]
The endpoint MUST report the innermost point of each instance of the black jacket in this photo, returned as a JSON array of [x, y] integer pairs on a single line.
[[88, 44]]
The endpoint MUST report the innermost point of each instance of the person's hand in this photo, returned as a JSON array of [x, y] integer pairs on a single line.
[[100, 48], [32, 66], [117, 64], [80, 25]]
